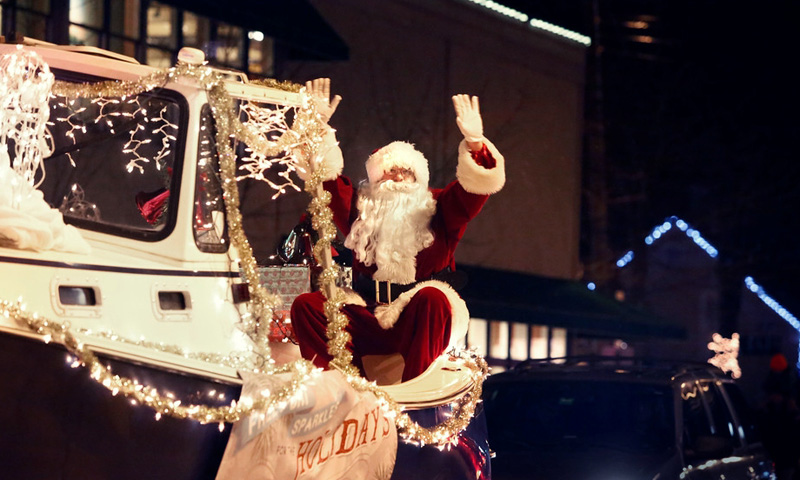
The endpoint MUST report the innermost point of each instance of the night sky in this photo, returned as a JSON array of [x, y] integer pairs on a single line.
[[702, 121]]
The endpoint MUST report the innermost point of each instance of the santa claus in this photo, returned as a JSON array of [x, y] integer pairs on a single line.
[[403, 235]]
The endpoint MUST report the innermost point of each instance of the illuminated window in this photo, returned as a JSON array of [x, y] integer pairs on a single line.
[[476, 336], [499, 339], [88, 13], [162, 26], [117, 25], [229, 45], [85, 22], [260, 54], [519, 341], [196, 31], [83, 36], [558, 342], [539, 335], [157, 57]]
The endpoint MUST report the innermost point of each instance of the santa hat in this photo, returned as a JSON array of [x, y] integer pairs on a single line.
[[397, 154]]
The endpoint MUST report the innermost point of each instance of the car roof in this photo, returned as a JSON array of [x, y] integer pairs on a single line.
[[623, 369]]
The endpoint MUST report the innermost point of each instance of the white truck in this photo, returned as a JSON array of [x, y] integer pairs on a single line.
[[146, 282]]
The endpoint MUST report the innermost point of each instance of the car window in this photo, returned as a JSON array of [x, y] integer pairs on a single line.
[[707, 425], [581, 414], [696, 423], [744, 412], [722, 422]]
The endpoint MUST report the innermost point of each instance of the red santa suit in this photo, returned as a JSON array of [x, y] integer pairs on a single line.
[[429, 316]]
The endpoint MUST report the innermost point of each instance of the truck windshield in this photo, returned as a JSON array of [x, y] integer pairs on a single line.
[[116, 162], [579, 415]]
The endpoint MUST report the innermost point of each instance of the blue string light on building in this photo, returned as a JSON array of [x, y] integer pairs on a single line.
[[685, 228], [775, 306]]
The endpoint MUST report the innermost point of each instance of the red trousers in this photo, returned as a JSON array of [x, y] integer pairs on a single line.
[[420, 334]]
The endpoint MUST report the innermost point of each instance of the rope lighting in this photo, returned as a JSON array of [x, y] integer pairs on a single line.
[[533, 22], [775, 306]]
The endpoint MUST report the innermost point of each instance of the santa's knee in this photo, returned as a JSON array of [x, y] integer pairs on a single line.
[[306, 312], [305, 303], [430, 305], [432, 297]]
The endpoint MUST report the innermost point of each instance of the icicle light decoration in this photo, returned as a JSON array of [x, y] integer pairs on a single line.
[[25, 83]]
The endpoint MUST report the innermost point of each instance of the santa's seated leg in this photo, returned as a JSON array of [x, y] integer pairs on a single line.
[[310, 326], [422, 330]]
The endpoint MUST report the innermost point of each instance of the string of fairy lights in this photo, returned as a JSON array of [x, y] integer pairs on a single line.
[[303, 137]]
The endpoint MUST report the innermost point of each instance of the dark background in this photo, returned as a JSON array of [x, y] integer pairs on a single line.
[[700, 118]]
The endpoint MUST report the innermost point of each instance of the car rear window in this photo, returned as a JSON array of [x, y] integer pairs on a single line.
[[604, 414]]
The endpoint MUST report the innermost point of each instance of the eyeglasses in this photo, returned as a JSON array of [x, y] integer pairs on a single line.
[[398, 174]]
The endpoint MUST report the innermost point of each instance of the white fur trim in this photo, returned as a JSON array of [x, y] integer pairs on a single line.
[[398, 154], [351, 297], [387, 315], [332, 162], [476, 179]]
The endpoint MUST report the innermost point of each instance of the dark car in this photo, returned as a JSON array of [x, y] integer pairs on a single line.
[[620, 419]]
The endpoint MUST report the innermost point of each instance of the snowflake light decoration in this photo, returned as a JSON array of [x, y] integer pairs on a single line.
[[726, 354]]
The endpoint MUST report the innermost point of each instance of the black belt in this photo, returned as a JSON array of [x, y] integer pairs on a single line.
[[374, 292]]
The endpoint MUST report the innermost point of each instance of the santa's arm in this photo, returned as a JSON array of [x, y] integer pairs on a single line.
[[329, 162], [481, 168], [480, 171], [479, 174]]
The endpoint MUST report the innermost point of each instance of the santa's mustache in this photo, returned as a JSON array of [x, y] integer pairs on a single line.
[[392, 186]]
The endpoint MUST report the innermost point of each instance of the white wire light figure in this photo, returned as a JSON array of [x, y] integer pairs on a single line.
[[727, 353], [25, 85]]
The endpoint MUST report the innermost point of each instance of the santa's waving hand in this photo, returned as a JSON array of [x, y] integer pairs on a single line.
[[331, 161], [469, 121], [320, 91]]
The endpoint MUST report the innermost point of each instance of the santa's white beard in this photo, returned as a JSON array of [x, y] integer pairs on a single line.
[[393, 225]]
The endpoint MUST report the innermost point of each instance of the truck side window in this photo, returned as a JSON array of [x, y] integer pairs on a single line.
[[209, 226], [116, 162]]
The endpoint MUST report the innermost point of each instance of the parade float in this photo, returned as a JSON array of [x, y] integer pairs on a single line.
[[137, 334]]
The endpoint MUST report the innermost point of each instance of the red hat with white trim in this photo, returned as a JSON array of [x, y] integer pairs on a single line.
[[397, 154]]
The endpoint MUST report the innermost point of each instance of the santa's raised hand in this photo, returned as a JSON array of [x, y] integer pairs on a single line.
[[320, 91], [469, 121], [328, 155]]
